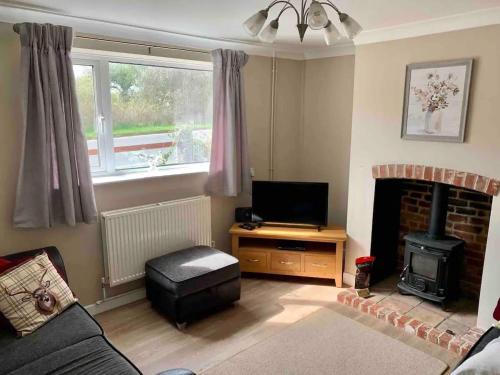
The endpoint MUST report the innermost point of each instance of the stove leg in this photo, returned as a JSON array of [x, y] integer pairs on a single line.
[[403, 292]]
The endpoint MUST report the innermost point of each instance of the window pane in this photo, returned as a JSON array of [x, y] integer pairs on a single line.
[[85, 91], [161, 116]]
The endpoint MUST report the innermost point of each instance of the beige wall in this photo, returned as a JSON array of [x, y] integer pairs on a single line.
[[326, 136], [288, 117], [376, 125], [81, 246], [289, 89], [312, 126], [257, 83]]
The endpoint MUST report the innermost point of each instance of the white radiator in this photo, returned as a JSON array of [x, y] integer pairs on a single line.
[[134, 235]]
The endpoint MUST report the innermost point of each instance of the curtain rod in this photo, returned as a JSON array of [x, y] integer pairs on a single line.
[[15, 27], [149, 46]]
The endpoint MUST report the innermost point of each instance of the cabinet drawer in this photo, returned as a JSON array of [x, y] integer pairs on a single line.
[[253, 261], [321, 265], [285, 262]]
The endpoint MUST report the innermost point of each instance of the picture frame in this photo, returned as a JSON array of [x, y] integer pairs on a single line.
[[436, 100]]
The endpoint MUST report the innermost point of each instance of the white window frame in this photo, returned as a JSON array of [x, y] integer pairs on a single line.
[[102, 85], [98, 105]]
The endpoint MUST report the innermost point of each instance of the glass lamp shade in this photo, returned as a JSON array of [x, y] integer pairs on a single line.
[[331, 33], [254, 24], [268, 35], [317, 17], [351, 27]]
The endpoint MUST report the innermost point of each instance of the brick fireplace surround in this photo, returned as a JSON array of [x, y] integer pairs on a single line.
[[473, 226], [460, 179]]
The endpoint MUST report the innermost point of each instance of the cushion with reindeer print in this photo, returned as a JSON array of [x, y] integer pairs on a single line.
[[32, 294]]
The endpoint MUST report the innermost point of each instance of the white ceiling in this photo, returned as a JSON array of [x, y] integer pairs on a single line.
[[222, 19]]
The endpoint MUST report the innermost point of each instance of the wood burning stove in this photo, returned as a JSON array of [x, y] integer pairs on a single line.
[[433, 260]]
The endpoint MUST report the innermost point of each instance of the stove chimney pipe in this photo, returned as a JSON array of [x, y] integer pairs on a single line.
[[439, 210]]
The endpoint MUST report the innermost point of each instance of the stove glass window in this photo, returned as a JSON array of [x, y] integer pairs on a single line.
[[425, 266]]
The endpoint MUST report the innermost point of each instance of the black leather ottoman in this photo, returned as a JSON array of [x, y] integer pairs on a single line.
[[190, 283]]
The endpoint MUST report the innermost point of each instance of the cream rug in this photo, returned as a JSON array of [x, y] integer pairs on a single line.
[[328, 343]]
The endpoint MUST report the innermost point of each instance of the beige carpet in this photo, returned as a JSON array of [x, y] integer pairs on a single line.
[[328, 343]]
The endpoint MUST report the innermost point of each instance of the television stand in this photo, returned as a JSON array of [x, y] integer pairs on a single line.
[[258, 251]]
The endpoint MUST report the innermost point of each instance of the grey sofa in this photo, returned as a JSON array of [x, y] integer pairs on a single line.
[[71, 343], [491, 334]]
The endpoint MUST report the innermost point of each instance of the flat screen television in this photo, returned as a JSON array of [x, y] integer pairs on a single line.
[[290, 202]]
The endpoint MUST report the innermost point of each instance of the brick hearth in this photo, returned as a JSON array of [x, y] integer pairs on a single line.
[[458, 344]]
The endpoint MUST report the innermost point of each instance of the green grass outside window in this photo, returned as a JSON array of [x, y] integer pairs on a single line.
[[128, 129]]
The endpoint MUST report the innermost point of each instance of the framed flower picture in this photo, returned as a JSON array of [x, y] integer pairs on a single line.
[[436, 99]]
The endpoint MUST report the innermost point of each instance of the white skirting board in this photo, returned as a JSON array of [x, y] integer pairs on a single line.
[[116, 301], [348, 278]]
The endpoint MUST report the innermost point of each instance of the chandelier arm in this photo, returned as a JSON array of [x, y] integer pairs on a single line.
[[287, 6], [331, 5], [272, 4], [304, 10]]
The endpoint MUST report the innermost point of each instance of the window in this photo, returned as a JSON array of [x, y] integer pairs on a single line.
[[142, 116], [87, 101]]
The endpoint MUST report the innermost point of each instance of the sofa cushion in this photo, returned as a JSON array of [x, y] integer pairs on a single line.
[[73, 325], [8, 264], [92, 356], [54, 256], [486, 362], [33, 293], [13, 260], [190, 270]]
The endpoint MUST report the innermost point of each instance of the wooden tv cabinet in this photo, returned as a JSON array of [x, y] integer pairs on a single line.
[[258, 251]]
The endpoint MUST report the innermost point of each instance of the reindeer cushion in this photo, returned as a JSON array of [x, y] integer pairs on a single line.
[[32, 294]]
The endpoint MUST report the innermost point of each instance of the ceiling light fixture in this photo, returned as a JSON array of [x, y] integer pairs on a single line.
[[309, 14]]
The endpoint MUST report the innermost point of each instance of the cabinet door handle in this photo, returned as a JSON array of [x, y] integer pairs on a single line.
[[320, 265], [253, 260], [287, 263]]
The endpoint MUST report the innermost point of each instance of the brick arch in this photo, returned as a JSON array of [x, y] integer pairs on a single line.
[[466, 180]]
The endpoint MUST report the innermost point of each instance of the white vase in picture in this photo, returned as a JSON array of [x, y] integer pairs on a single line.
[[433, 120]]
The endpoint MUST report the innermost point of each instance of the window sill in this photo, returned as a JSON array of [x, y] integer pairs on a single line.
[[146, 175]]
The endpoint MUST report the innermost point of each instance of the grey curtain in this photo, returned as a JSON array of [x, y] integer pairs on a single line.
[[229, 168], [54, 184]]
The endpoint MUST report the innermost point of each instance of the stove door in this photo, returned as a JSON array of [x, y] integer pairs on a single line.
[[425, 269], [424, 265]]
